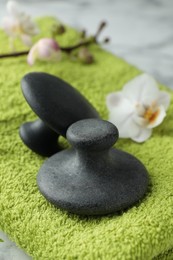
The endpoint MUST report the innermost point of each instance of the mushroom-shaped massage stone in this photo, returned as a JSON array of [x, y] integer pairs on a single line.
[[91, 178], [57, 104]]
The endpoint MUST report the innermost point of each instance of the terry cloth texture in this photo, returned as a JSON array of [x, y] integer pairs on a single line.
[[45, 232]]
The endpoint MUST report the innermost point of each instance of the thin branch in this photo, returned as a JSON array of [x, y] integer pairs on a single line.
[[64, 49], [14, 54], [100, 29], [78, 45]]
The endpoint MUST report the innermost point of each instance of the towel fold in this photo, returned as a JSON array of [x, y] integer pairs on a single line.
[[143, 232]]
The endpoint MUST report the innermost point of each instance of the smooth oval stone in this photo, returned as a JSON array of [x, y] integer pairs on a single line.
[[92, 182], [55, 101]]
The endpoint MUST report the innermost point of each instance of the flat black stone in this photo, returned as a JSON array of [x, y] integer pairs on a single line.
[[92, 178], [55, 101]]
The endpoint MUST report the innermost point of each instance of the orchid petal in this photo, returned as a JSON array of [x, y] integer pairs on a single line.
[[122, 107], [142, 89], [121, 114], [123, 126], [26, 39], [12, 8], [29, 26], [18, 24], [133, 128], [8, 24], [143, 135], [163, 99], [158, 120], [114, 99], [139, 120]]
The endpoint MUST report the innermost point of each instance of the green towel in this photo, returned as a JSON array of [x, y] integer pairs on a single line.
[[45, 232]]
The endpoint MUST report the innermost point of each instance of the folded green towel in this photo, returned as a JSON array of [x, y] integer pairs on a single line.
[[45, 232]]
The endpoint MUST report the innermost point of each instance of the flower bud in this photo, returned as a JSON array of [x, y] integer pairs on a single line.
[[46, 49], [85, 56]]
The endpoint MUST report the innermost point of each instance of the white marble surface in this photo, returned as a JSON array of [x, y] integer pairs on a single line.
[[9, 251], [141, 32]]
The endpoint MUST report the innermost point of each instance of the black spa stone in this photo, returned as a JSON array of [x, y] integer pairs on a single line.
[[39, 138], [92, 178], [57, 104]]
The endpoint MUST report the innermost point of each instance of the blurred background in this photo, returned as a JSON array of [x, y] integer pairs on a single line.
[[141, 32]]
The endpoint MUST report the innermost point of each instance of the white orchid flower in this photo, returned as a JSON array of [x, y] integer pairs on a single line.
[[46, 49], [138, 108], [18, 24]]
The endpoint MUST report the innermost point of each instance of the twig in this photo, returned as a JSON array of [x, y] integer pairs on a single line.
[[14, 54], [69, 49]]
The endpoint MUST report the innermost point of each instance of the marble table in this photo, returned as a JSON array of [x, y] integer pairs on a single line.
[[140, 31]]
